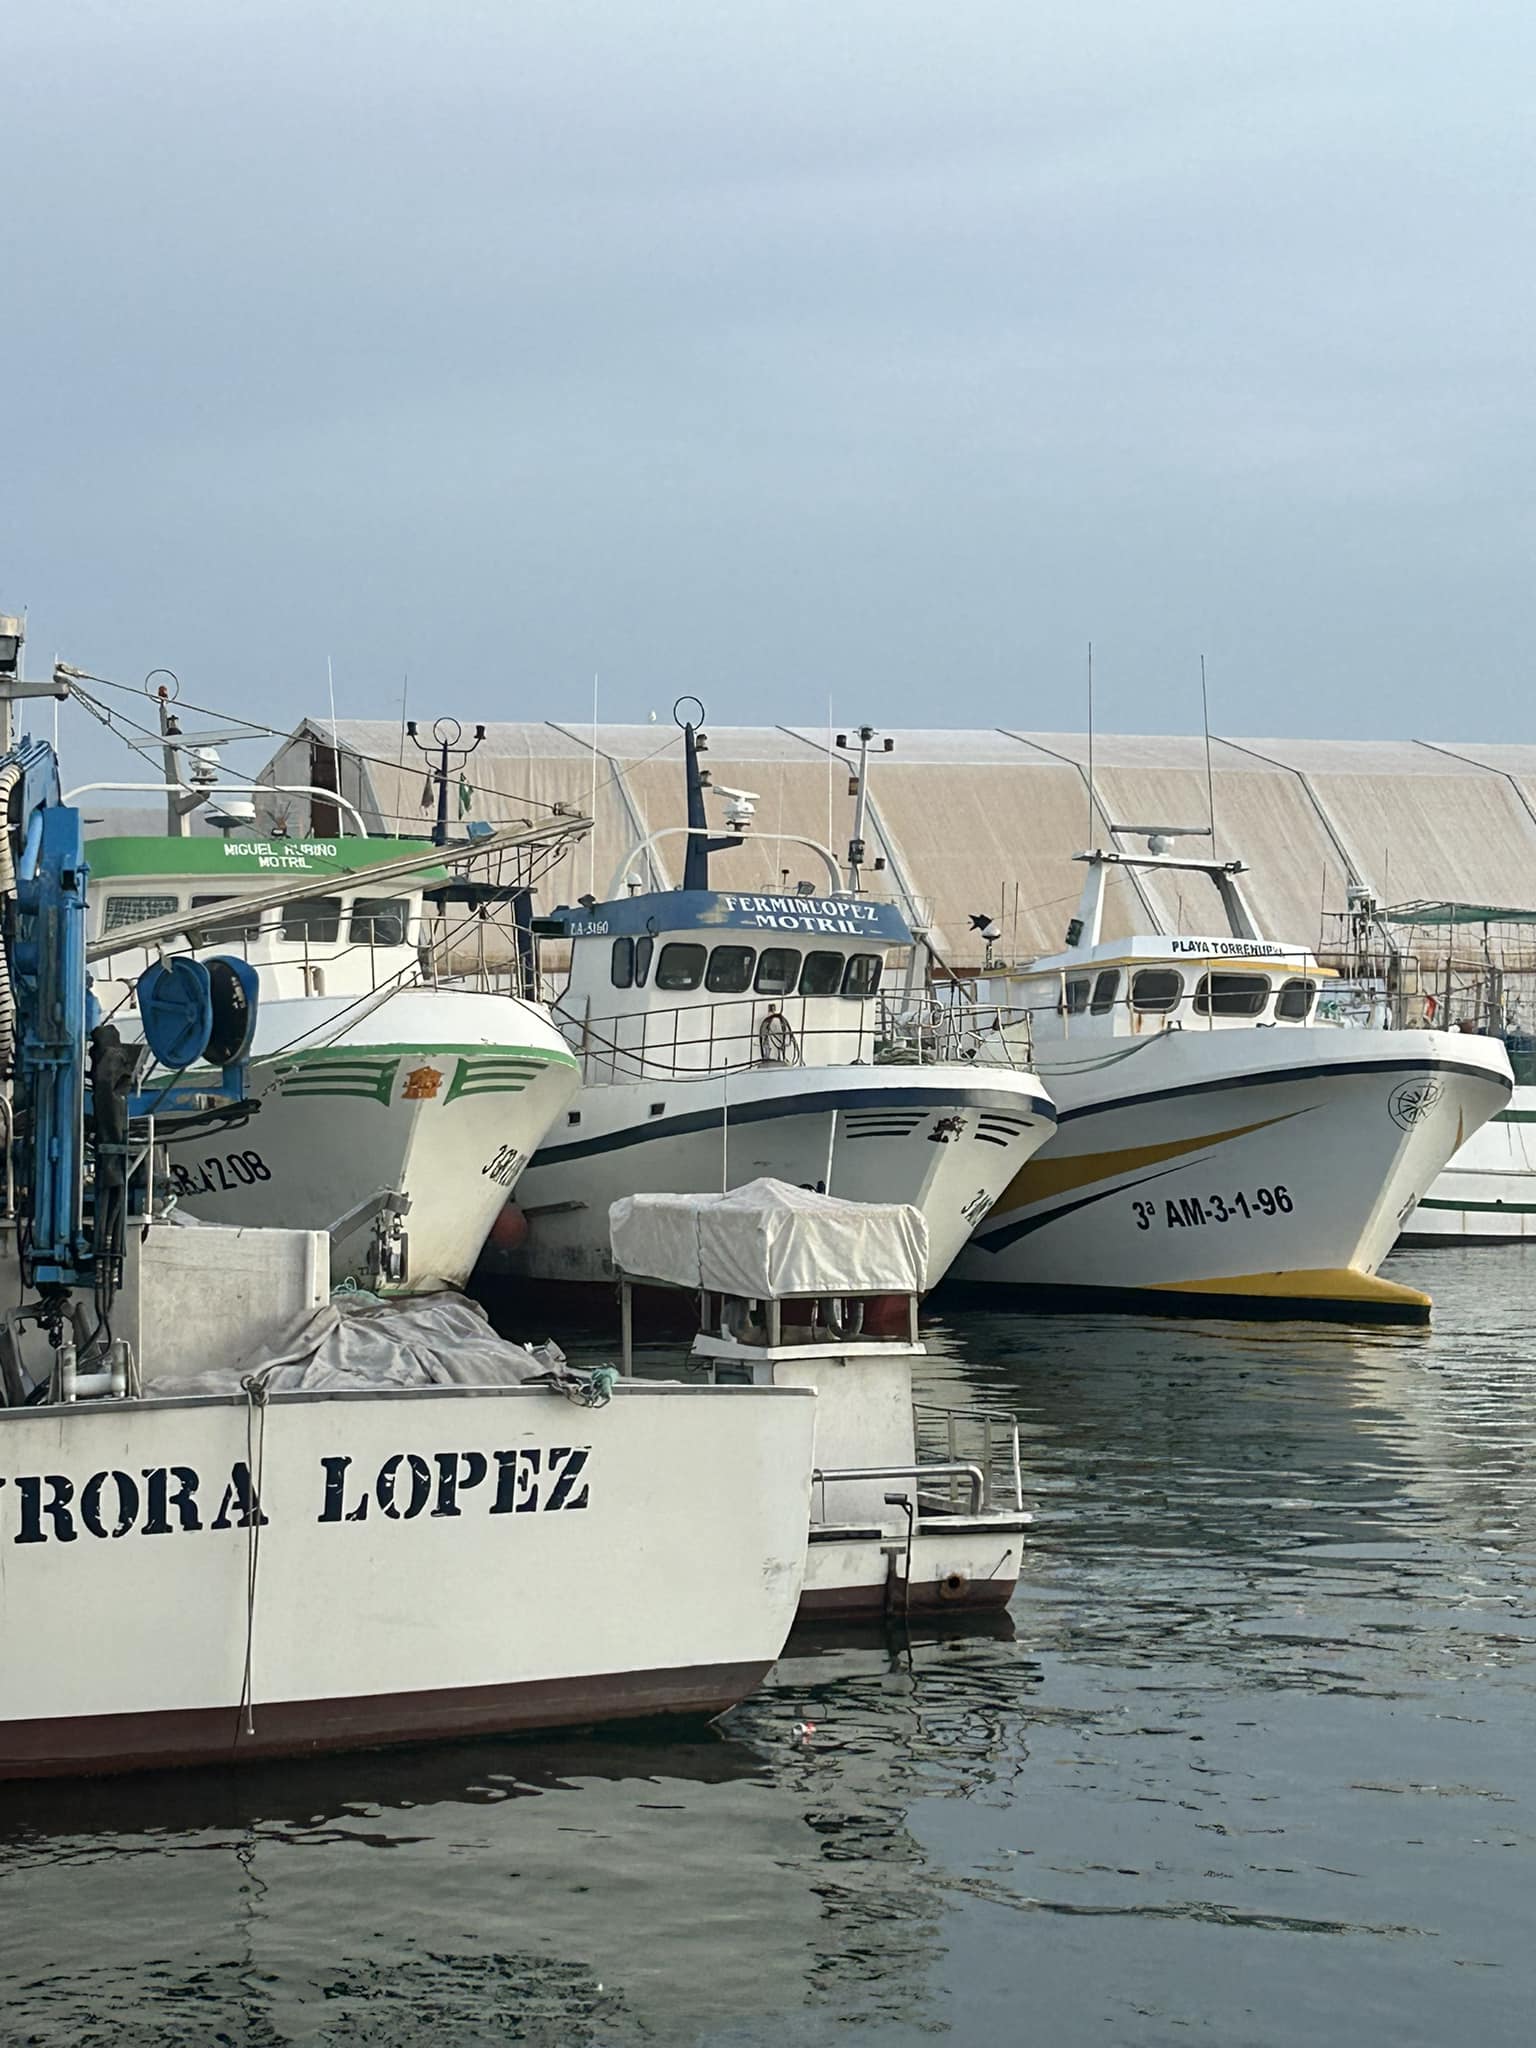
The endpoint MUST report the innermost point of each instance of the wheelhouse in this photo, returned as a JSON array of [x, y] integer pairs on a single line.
[[698, 980], [1099, 988], [1128, 988], [348, 936]]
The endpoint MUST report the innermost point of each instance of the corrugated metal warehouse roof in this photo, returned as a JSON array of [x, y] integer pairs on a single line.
[[989, 820]]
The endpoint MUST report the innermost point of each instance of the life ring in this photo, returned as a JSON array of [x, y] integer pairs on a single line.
[[954, 1586]]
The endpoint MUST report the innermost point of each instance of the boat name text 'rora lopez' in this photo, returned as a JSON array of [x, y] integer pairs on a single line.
[[173, 1499]]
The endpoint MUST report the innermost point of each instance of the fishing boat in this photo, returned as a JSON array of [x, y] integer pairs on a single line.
[[382, 1525], [1466, 968], [797, 1289], [387, 1107], [1218, 1147], [729, 1037], [1487, 1194]]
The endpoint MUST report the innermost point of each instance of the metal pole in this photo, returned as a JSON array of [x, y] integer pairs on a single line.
[[178, 823]]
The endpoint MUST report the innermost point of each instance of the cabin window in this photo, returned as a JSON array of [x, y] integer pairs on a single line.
[[680, 966], [124, 910], [621, 968], [1231, 995], [730, 970], [644, 948], [1105, 988], [233, 928], [777, 967], [1295, 1000], [317, 918], [1075, 997], [822, 974], [379, 920], [1157, 988], [861, 977]]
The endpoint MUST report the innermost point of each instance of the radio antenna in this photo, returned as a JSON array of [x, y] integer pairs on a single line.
[[1210, 786], [1090, 746]]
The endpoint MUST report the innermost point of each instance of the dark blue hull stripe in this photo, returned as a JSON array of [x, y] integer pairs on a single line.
[[926, 1099], [1330, 1070]]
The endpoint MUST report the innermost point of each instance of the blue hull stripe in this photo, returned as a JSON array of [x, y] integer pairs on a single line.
[[1030, 1109], [1339, 1070]]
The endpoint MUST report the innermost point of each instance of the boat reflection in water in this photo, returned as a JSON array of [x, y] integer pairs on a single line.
[[612, 1890]]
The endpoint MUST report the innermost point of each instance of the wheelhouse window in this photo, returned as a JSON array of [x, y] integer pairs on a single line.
[[235, 927], [730, 970], [1106, 987], [317, 918], [1295, 1000], [644, 948], [777, 969], [379, 920], [822, 974], [1157, 988], [681, 965], [621, 967], [1074, 998], [1231, 995], [861, 977], [126, 910]]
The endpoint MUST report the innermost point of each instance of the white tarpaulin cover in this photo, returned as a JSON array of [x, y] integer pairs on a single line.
[[770, 1239]]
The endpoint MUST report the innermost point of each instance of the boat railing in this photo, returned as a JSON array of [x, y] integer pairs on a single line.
[[781, 1031], [944, 1030], [987, 1438], [296, 965], [953, 1474]]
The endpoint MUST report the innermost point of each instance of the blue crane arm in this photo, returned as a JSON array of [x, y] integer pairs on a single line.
[[45, 919]]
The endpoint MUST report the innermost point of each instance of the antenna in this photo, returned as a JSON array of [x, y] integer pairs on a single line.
[[1090, 743], [858, 788], [831, 762], [1210, 786], [446, 735], [592, 804]]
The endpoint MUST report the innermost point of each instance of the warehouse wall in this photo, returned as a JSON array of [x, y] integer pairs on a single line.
[[989, 820]]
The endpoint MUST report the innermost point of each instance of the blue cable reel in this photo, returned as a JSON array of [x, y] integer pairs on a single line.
[[199, 1013]]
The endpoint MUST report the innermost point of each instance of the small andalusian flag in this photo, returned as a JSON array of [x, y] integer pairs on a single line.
[[466, 797]]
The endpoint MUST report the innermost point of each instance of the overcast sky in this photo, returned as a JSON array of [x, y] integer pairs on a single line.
[[770, 351]]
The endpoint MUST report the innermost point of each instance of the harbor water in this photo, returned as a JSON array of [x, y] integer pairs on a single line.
[[1249, 1764]]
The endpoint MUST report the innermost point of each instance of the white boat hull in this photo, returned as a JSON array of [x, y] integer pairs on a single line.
[[967, 1566], [437, 1094], [433, 1563], [946, 1139], [1250, 1171], [1487, 1195]]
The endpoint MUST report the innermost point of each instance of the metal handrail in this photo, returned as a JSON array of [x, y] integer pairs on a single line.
[[957, 1470], [699, 1039], [992, 1422]]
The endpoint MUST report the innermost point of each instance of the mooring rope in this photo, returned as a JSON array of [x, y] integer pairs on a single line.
[[255, 1465]]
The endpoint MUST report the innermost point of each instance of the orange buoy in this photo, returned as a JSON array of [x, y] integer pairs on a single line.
[[509, 1233]]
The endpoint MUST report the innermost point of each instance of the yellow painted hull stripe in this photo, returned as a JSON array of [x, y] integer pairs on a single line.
[[1042, 1178], [1321, 1283]]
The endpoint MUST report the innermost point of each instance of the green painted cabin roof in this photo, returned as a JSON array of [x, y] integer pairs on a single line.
[[150, 857], [1442, 913]]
